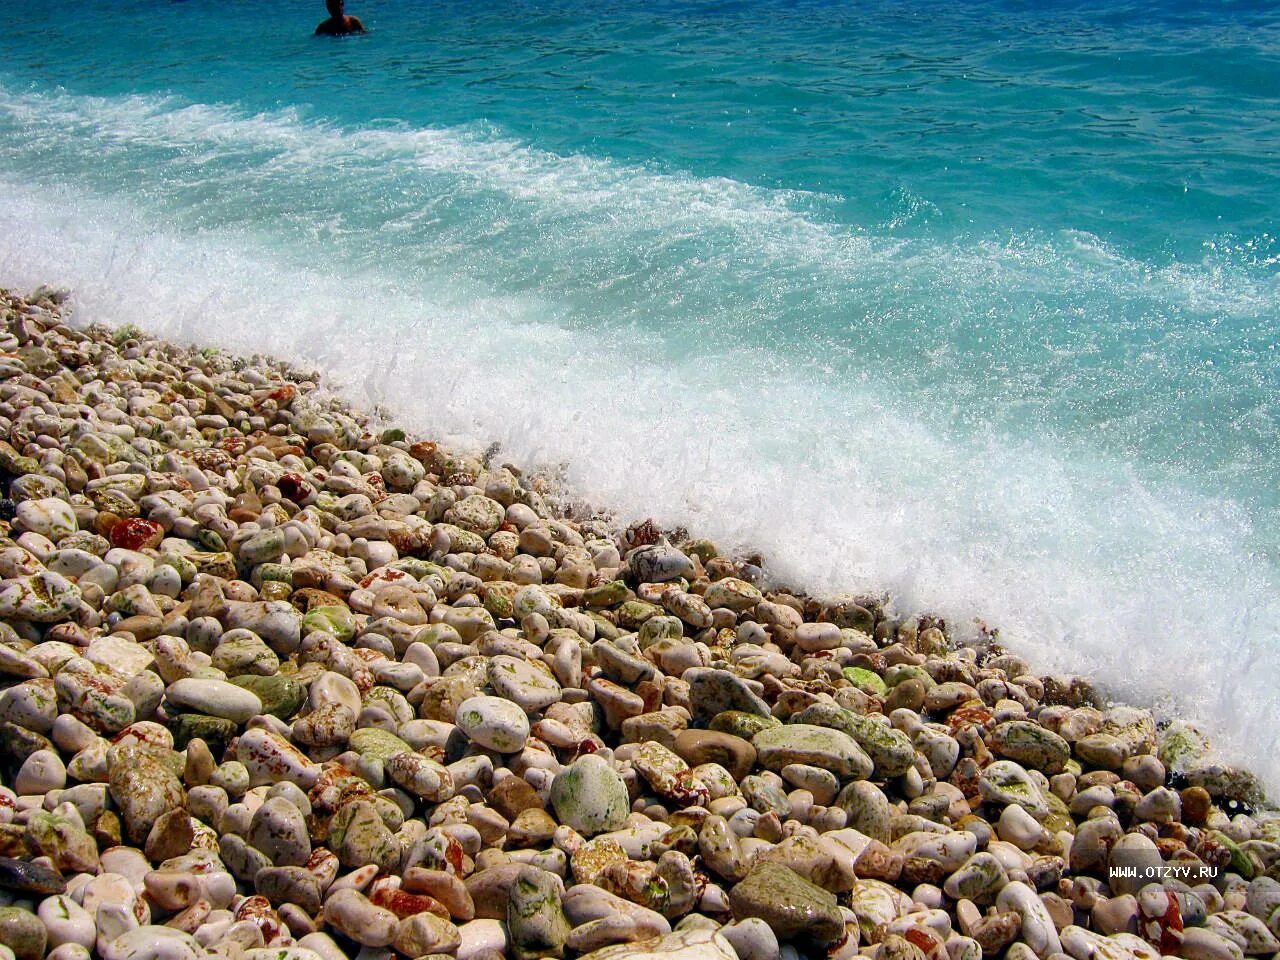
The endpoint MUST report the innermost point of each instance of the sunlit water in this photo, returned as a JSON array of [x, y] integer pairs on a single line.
[[973, 303]]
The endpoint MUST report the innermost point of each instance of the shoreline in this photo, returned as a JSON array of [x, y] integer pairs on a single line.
[[260, 532]]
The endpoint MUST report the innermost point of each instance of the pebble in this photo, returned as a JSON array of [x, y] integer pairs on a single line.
[[735, 754], [523, 683], [47, 516], [359, 836], [481, 940], [979, 879], [692, 944], [590, 796], [1199, 943], [279, 830], [1038, 931], [1005, 782], [23, 876], [788, 903], [713, 692], [153, 943], [1031, 745], [44, 597], [351, 914], [536, 923], [425, 934], [751, 939], [659, 563], [66, 921], [215, 698], [144, 789], [804, 743], [42, 772], [23, 933], [494, 723]]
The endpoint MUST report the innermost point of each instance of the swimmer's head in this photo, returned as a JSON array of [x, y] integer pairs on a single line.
[[335, 7]]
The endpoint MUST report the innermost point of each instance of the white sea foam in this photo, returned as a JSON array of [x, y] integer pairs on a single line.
[[858, 455]]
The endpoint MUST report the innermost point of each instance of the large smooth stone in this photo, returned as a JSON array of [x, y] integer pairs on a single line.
[[659, 564], [1005, 782], [1038, 931], [535, 917], [1030, 745], [590, 796], [144, 789], [215, 698], [43, 598], [790, 904], [153, 943], [822, 747], [735, 754], [523, 683], [715, 691], [494, 723], [890, 750], [22, 932]]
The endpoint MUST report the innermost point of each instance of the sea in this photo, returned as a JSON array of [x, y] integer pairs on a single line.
[[973, 305]]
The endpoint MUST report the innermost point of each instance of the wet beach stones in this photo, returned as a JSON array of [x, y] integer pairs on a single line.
[[277, 683]]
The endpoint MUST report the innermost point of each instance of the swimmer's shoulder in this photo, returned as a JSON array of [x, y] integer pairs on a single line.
[[349, 25]]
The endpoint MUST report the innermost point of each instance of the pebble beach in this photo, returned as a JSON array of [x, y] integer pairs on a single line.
[[279, 683]]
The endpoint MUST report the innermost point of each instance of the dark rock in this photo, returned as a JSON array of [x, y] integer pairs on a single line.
[[22, 876], [790, 904]]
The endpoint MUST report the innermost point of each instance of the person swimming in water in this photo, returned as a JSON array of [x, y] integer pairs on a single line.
[[338, 24]]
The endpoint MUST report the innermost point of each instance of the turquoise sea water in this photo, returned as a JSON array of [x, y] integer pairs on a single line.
[[976, 303]]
